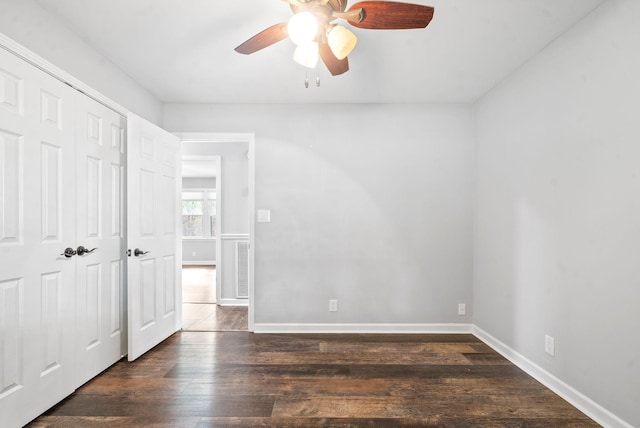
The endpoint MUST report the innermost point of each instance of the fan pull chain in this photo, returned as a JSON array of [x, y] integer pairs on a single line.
[[306, 80]]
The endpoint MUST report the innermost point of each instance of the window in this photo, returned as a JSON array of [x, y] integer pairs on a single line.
[[191, 218], [199, 214]]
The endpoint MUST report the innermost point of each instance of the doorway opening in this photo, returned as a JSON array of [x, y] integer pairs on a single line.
[[217, 216]]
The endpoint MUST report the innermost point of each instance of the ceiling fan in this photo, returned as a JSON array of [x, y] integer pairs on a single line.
[[314, 30]]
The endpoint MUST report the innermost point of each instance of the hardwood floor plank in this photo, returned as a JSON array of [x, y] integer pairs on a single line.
[[378, 407], [134, 387], [486, 358], [191, 371], [179, 406], [386, 423], [434, 371], [114, 421], [317, 422], [390, 347], [295, 386], [343, 358]]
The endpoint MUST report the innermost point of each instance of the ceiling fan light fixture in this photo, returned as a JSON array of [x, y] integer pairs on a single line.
[[315, 21], [302, 28], [341, 41], [306, 54]]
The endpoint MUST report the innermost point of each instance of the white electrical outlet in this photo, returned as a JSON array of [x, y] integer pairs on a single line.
[[462, 309], [333, 305], [549, 345], [193, 254]]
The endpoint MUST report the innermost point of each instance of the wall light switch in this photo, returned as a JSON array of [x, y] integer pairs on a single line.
[[264, 216]]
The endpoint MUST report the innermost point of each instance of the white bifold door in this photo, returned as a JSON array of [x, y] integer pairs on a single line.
[[100, 238], [66, 310]]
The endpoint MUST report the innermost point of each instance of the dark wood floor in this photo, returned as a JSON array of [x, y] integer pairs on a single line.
[[219, 379]]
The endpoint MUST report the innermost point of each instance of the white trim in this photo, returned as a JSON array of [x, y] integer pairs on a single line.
[[56, 72], [234, 236], [197, 239], [218, 160], [198, 263], [363, 328], [233, 302], [212, 158], [252, 229], [580, 401], [217, 137]]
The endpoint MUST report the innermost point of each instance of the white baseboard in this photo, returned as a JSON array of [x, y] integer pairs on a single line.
[[233, 302], [580, 401], [362, 328]]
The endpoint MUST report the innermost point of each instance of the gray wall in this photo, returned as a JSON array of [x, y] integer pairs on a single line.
[[34, 28], [557, 228], [199, 251], [198, 183], [370, 204]]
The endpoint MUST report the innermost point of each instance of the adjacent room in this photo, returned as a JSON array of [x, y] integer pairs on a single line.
[[215, 295], [438, 229]]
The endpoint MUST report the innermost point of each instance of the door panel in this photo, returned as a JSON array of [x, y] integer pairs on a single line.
[[153, 192], [37, 296], [100, 163]]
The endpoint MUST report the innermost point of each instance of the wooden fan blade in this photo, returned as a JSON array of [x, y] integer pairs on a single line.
[[263, 39], [336, 66], [391, 15]]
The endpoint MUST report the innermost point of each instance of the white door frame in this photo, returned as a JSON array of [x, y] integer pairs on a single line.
[[249, 138]]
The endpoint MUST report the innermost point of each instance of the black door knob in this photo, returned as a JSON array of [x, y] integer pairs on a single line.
[[138, 252], [69, 252], [82, 250]]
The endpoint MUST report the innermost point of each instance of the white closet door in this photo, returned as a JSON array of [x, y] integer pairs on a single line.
[[37, 222], [100, 163], [153, 235]]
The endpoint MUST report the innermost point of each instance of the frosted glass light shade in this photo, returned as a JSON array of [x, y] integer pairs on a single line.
[[341, 41], [302, 28], [306, 54]]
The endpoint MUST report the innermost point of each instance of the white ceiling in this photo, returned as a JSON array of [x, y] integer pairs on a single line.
[[182, 50]]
